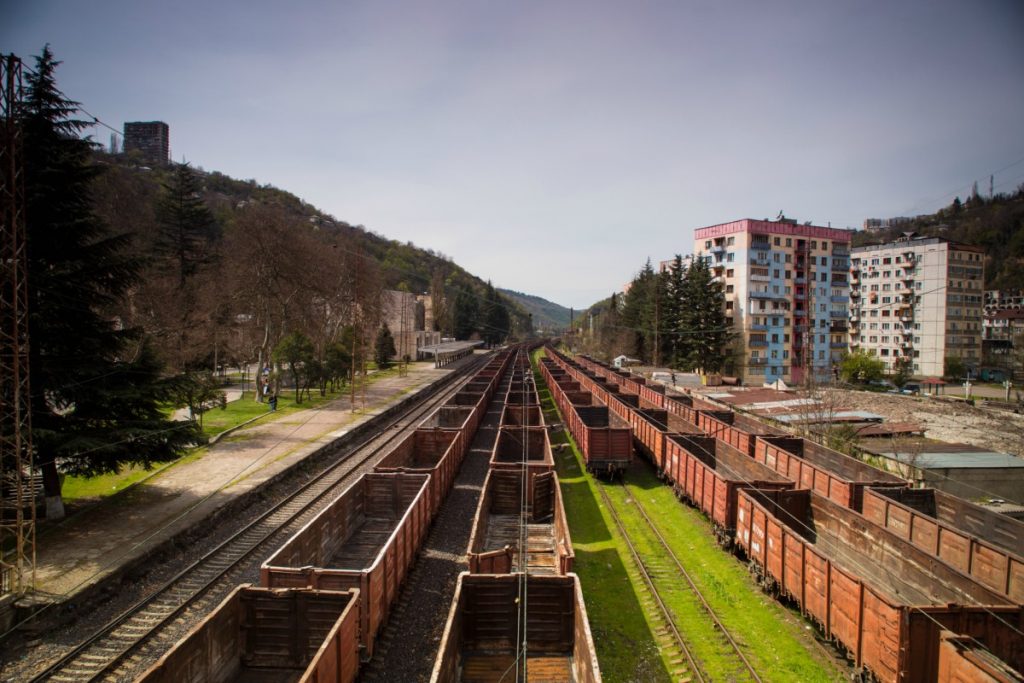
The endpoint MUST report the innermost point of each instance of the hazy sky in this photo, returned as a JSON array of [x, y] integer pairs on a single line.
[[553, 146]]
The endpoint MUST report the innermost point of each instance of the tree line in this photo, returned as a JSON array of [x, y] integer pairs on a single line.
[[674, 317]]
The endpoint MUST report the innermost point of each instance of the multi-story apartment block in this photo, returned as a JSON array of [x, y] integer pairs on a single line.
[[152, 139], [786, 294], [917, 300]]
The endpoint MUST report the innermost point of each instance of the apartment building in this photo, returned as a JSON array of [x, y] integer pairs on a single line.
[[786, 294], [918, 300], [150, 139]]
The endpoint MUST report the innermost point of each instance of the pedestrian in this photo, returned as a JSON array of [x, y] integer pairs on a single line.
[[273, 402]]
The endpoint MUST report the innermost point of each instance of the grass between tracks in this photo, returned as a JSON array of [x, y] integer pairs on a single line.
[[778, 643], [627, 649]]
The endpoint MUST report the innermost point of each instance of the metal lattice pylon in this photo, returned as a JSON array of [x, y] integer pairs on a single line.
[[17, 489]]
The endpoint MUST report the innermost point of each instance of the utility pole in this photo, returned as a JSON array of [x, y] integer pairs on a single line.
[[17, 492]]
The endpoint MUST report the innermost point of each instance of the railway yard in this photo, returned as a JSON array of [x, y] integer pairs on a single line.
[[531, 516]]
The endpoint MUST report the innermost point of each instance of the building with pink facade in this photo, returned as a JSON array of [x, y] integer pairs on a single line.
[[786, 294]]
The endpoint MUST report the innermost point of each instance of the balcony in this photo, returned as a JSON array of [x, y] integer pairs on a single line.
[[767, 295], [759, 327], [854, 293], [718, 249], [840, 266], [760, 278], [854, 344], [758, 343], [909, 256], [761, 246], [837, 345], [838, 326], [757, 361], [839, 299], [799, 279], [838, 314], [840, 250]]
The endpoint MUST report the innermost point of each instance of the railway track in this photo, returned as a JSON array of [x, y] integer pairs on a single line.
[[650, 569], [140, 634]]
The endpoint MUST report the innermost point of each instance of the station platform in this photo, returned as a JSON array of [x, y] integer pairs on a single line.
[[75, 555]]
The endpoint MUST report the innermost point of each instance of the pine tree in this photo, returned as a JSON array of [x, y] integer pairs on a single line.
[[703, 320], [186, 226], [96, 386], [677, 343], [384, 348], [497, 322], [464, 315]]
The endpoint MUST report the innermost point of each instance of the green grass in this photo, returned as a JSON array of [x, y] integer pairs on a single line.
[[627, 649], [778, 643], [78, 489]]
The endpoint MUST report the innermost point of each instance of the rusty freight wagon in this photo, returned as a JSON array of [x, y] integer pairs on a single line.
[[604, 438], [652, 426], [711, 473], [516, 446], [520, 416], [478, 402], [453, 418], [963, 660], [433, 452], [495, 539], [984, 544], [481, 637], [367, 538], [682, 406], [272, 636], [828, 472], [739, 431], [880, 597]]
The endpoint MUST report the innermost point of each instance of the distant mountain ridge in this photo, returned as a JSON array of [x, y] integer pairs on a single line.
[[547, 315]]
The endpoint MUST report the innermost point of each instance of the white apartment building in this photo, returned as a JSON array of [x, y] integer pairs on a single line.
[[919, 299]]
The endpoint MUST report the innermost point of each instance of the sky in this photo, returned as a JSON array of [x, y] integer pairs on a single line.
[[552, 147]]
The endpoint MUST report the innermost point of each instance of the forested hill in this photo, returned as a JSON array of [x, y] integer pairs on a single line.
[[128, 195], [547, 315], [995, 224]]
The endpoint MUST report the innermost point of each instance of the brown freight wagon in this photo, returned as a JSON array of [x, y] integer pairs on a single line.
[[963, 660], [605, 439], [480, 638], [433, 452], [622, 404], [495, 539], [981, 543], [824, 470], [682, 405], [478, 402], [883, 599], [271, 636], [367, 538], [478, 385], [711, 473], [739, 431], [523, 394], [514, 444], [651, 427], [453, 418], [519, 416]]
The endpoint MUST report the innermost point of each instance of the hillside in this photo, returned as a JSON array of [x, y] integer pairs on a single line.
[[996, 225], [127, 195], [547, 315]]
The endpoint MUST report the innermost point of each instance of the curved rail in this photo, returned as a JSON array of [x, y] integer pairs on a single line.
[[142, 624], [665, 614], [696, 591]]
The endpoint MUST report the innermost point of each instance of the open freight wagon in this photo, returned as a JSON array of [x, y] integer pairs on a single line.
[[367, 538], [494, 544], [270, 636], [480, 640], [884, 600]]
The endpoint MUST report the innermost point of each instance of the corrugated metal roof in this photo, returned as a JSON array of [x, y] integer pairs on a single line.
[[839, 415], [955, 460]]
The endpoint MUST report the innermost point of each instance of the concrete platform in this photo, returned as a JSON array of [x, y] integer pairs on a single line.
[[82, 551]]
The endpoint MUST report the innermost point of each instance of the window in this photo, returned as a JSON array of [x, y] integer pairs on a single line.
[[775, 354], [785, 339], [775, 339], [728, 289], [824, 245], [707, 244], [730, 241], [824, 277], [777, 241], [728, 305], [789, 274], [729, 272], [814, 244], [776, 257], [730, 257]]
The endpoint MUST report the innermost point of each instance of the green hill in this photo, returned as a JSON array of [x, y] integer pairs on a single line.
[[547, 315]]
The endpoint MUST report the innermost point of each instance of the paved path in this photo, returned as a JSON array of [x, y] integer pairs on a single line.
[[95, 543]]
